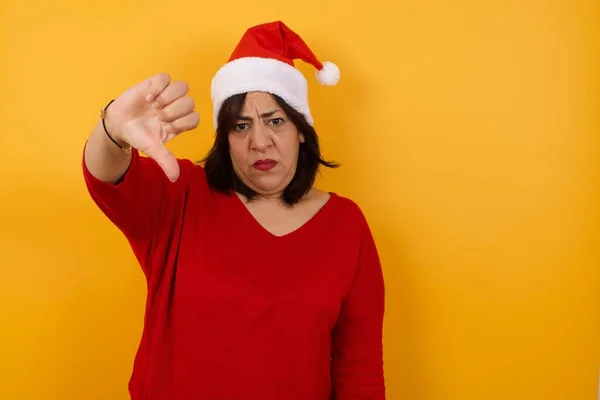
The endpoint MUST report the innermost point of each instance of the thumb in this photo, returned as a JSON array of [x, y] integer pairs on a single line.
[[165, 160]]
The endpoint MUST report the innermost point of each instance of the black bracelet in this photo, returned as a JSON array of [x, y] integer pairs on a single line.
[[103, 115]]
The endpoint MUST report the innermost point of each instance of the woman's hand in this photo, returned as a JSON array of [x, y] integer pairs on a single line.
[[149, 114]]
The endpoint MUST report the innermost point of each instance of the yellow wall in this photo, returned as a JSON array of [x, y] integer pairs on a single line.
[[468, 131]]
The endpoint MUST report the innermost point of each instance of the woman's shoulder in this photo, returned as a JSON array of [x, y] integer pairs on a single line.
[[346, 209], [191, 179], [191, 170]]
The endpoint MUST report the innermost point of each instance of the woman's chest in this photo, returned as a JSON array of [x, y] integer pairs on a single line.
[[226, 276]]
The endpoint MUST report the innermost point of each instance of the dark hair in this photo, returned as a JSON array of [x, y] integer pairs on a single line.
[[219, 169]]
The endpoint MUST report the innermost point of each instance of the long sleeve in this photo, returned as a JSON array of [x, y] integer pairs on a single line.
[[137, 204], [357, 348]]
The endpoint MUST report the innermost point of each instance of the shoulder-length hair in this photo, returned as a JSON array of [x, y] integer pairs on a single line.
[[219, 169]]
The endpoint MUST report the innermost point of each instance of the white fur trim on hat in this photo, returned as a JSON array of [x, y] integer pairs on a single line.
[[260, 74]]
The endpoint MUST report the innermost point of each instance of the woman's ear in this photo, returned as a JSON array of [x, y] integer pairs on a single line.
[[301, 137]]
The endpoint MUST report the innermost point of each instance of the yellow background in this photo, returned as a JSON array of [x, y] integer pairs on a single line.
[[468, 133]]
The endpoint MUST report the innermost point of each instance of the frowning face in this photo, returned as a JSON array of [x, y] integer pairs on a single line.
[[264, 145]]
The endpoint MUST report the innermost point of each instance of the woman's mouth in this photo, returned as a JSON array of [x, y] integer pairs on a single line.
[[264, 165]]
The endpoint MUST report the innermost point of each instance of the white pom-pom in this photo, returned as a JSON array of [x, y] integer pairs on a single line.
[[329, 75]]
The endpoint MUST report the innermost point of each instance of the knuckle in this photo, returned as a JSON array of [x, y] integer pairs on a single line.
[[184, 86], [168, 128], [165, 114], [160, 82], [191, 102], [178, 127], [163, 77]]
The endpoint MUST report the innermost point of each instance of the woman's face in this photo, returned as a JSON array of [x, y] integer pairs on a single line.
[[264, 145]]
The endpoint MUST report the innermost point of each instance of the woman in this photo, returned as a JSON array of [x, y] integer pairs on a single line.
[[260, 286]]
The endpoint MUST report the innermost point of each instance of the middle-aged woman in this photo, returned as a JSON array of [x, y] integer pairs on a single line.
[[259, 285]]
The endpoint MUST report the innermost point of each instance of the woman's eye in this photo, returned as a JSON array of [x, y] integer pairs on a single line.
[[277, 121], [241, 127]]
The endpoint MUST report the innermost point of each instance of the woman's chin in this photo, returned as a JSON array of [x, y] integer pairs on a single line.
[[268, 185]]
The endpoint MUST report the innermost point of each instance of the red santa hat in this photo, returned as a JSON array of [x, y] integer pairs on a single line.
[[263, 61]]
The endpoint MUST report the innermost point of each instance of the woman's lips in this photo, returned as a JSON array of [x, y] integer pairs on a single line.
[[264, 165]]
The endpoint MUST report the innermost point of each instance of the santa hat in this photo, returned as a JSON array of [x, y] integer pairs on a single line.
[[263, 61]]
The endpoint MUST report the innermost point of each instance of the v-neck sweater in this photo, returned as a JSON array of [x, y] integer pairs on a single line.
[[234, 312]]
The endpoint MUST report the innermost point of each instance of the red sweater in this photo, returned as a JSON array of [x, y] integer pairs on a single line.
[[234, 312]]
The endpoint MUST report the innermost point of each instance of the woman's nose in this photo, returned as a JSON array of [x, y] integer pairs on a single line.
[[260, 137]]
